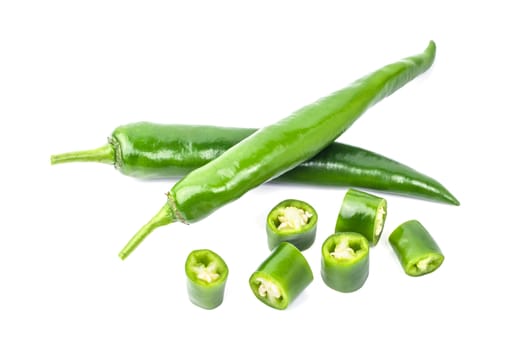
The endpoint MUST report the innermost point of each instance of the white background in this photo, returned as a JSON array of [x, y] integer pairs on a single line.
[[70, 72]]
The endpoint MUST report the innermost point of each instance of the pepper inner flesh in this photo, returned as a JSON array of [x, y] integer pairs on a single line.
[[207, 273], [343, 251], [268, 289], [426, 264], [292, 218], [378, 221]]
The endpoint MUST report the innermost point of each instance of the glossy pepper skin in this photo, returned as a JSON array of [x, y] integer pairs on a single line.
[[345, 261], [206, 278], [363, 213], [279, 147], [147, 150], [280, 279], [416, 249], [291, 211]]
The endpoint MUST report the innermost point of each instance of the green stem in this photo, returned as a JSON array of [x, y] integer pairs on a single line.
[[105, 154], [162, 218]]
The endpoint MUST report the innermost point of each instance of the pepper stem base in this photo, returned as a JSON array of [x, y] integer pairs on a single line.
[[162, 218]]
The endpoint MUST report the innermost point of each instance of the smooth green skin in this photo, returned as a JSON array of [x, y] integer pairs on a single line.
[[279, 147], [201, 293], [164, 151], [412, 243], [147, 150], [288, 269], [345, 275], [303, 238], [358, 214]]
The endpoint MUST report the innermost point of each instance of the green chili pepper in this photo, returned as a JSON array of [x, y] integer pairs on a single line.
[[148, 150], [345, 261], [206, 278], [363, 213], [292, 221], [415, 248], [281, 277], [279, 147]]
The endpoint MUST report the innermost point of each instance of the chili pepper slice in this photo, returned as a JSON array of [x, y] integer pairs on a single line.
[[416, 249], [148, 150], [363, 213], [345, 261], [278, 147], [280, 279], [206, 278], [293, 221]]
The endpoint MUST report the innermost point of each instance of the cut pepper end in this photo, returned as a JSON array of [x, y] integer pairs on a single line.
[[379, 221], [292, 216], [345, 248], [267, 290], [425, 264], [206, 267], [206, 273]]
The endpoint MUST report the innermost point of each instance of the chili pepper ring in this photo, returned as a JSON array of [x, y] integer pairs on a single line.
[[416, 249], [363, 213], [345, 261], [280, 279], [279, 147], [206, 278], [293, 221]]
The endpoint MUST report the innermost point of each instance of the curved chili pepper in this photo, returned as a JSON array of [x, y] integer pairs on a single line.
[[206, 278], [281, 277], [416, 249], [279, 147], [148, 150], [292, 221], [363, 213], [345, 261]]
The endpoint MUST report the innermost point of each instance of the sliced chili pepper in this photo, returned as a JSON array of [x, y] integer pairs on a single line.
[[345, 261], [293, 221], [363, 213], [148, 150], [206, 278], [278, 147], [281, 277], [416, 249]]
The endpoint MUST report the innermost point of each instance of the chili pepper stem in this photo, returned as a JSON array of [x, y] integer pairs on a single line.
[[162, 218], [105, 154]]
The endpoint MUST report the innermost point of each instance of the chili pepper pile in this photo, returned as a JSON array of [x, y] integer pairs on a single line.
[[219, 165]]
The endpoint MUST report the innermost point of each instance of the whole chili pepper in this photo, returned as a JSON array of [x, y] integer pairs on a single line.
[[345, 261], [292, 221], [415, 248], [281, 277], [279, 147], [363, 213], [148, 150], [206, 278]]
